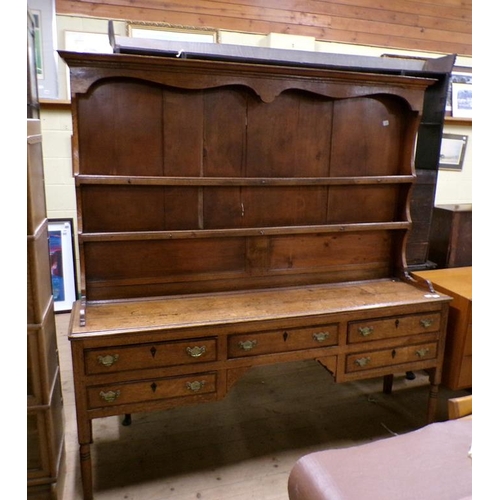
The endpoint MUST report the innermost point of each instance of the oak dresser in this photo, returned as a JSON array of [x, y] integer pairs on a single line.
[[240, 207]]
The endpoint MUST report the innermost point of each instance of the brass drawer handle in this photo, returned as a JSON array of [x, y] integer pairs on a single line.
[[365, 330], [109, 396], [107, 360], [363, 361], [321, 336], [196, 385], [248, 345], [196, 352], [422, 352], [426, 323]]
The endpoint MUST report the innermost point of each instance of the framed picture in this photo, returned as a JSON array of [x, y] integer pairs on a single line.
[[62, 264], [161, 31], [37, 16], [461, 75], [453, 147], [78, 41], [461, 100], [44, 17]]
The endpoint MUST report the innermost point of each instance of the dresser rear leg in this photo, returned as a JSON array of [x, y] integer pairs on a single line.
[[127, 419], [388, 379], [86, 471]]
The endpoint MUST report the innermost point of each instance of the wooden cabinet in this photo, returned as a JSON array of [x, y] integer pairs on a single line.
[[451, 236], [45, 424], [237, 210], [456, 283]]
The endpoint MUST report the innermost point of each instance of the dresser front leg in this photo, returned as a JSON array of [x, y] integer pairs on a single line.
[[433, 403], [434, 380], [86, 471]]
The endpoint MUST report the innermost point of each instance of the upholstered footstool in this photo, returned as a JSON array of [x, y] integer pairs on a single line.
[[431, 463]]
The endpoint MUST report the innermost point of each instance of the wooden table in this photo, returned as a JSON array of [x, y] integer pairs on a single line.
[[457, 283]]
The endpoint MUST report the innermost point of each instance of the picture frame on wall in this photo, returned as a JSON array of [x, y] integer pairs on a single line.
[[62, 264], [462, 100], [452, 154], [47, 60], [461, 75], [164, 31]]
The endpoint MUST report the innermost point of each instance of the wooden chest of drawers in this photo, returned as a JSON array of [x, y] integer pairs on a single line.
[[456, 282], [133, 356]]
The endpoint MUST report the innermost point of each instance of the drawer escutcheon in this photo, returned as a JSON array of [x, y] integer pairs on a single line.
[[108, 360], [109, 396], [196, 351]]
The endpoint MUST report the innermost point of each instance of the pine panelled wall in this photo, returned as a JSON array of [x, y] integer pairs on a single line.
[[437, 26]]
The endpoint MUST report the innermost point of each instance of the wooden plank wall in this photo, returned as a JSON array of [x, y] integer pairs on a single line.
[[443, 26]]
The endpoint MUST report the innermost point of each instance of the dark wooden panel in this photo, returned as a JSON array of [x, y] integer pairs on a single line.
[[373, 129], [126, 135], [120, 269], [164, 259], [326, 252], [264, 207], [289, 136], [356, 204], [225, 131], [451, 236], [182, 132], [421, 205], [138, 208]]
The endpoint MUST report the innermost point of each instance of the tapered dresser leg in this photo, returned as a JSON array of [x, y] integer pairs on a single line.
[[86, 470]]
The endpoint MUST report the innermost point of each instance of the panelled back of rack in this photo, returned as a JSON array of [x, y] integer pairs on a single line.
[[214, 188]]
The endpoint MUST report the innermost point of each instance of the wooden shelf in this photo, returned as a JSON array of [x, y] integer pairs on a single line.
[[455, 120], [54, 104]]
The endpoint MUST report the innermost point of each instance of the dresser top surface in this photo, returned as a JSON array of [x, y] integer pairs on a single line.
[[238, 307]]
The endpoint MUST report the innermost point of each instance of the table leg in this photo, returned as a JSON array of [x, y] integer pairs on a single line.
[[86, 470]]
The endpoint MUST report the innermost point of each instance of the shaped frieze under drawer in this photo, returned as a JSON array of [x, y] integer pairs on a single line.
[[390, 357], [151, 390], [154, 355]]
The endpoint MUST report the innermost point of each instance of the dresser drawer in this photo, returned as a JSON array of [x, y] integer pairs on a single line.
[[390, 357], [151, 390], [282, 340], [116, 359], [377, 329]]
